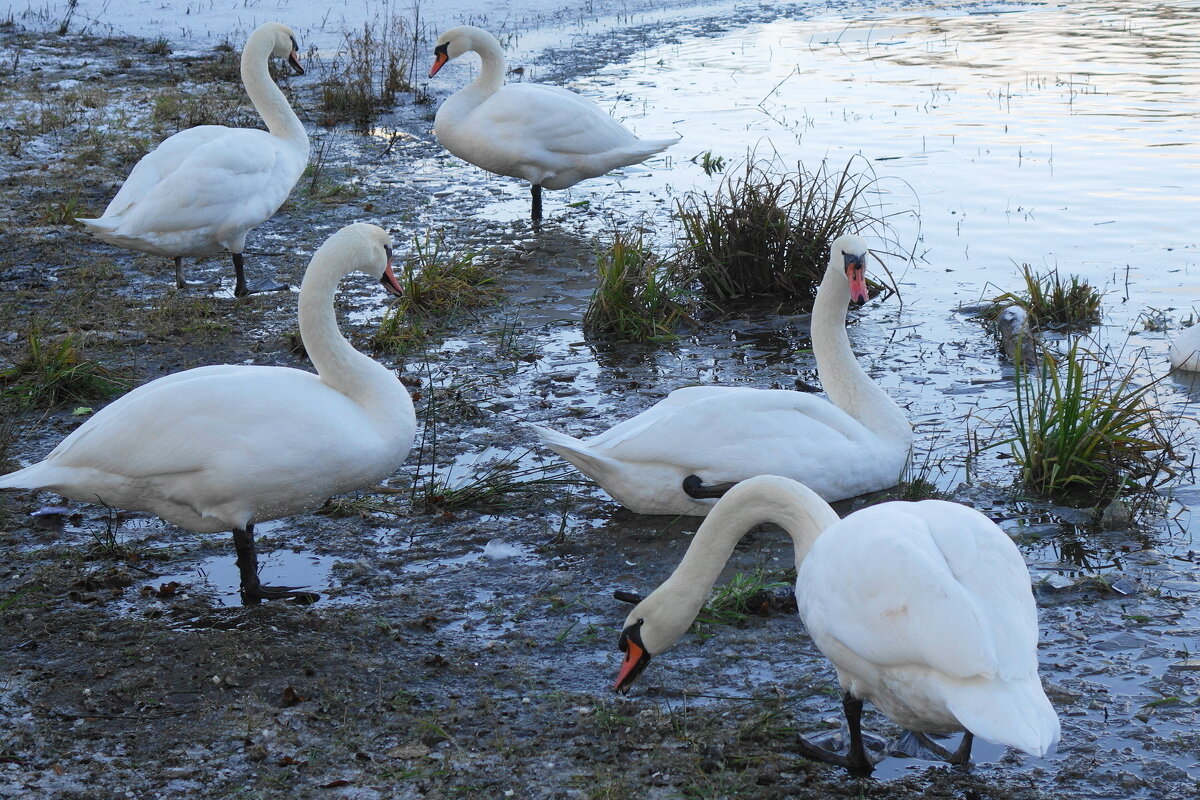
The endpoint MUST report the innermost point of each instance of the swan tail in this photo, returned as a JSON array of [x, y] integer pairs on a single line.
[[1013, 713], [595, 466], [37, 476]]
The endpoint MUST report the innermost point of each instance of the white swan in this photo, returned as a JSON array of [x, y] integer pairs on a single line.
[[668, 459], [925, 609], [1185, 350], [204, 188], [223, 447], [549, 136]]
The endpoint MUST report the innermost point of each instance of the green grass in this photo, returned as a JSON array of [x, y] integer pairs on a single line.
[[1085, 431], [437, 285], [56, 372], [638, 297], [767, 229], [1053, 301], [496, 486], [735, 601]]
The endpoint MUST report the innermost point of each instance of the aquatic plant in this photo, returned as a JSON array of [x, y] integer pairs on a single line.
[[638, 297], [1086, 430], [370, 68], [1052, 301], [56, 372], [767, 230], [437, 283]]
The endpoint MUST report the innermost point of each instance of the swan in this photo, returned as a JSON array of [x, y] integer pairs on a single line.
[[549, 136], [680, 454], [204, 188], [925, 609], [220, 448], [1185, 350]]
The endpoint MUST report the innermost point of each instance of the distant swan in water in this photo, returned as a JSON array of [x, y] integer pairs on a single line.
[[549, 136], [203, 189], [925, 609], [220, 448], [677, 456]]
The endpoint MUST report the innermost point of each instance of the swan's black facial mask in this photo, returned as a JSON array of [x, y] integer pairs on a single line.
[[440, 56], [294, 58], [636, 657]]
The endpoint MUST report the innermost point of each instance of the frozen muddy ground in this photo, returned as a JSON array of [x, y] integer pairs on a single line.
[[470, 653]]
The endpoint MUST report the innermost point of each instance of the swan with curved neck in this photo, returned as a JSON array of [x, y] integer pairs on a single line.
[[925, 609], [548, 136], [203, 189], [679, 455], [221, 448]]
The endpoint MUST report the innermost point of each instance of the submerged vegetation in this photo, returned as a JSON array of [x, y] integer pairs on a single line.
[[1086, 430], [768, 229], [638, 296], [1052, 301]]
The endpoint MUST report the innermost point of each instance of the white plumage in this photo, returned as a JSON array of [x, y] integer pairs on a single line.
[[549, 136], [223, 447], [856, 444], [1185, 350], [203, 189], [925, 609]]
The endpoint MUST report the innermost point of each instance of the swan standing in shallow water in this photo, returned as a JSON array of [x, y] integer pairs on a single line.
[[220, 448], [678, 455], [204, 188], [925, 609], [549, 136]]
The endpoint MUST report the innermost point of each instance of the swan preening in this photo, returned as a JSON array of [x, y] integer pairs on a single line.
[[678, 455], [925, 609], [220, 448], [549, 136], [203, 189]]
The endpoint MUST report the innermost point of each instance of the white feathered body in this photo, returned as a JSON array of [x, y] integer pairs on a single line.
[[546, 135], [200, 191], [215, 448], [1185, 350], [726, 434], [925, 609]]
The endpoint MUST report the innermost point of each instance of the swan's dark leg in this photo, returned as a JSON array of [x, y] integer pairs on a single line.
[[252, 589], [695, 488], [180, 283], [856, 761], [958, 758], [536, 190], [240, 288]]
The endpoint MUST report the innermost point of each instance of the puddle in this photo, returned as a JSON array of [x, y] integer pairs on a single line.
[[218, 576]]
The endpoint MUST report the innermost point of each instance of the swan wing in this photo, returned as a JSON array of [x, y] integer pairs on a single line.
[[226, 185], [930, 583], [161, 162], [535, 117]]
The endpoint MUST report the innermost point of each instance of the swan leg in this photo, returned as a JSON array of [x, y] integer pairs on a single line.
[[695, 488], [536, 190], [252, 589], [857, 761], [240, 289], [958, 758], [181, 283]]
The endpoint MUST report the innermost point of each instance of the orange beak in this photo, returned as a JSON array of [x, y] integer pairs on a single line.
[[636, 657], [856, 273], [389, 279], [439, 60]]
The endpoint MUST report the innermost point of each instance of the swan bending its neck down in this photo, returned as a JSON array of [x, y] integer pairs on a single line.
[[548, 136], [679, 455], [203, 189], [220, 448], [925, 609]]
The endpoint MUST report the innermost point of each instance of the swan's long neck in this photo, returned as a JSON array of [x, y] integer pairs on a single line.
[[267, 98], [843, 379], [491, 71], [790, 505], [340, 366]]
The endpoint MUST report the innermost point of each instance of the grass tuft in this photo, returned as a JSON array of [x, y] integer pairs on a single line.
[[638, 297], [767, 230], [1085, 431], [1052, 301], [56, 372], [737, 600], [494, 487], [370, 69]]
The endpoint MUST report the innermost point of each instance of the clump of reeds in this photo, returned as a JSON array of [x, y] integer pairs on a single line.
[[370, 69], [437, 283], [1086, 430], [638, 296], [496, 486], [1054, 302], [56, 372], [767, 229]]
